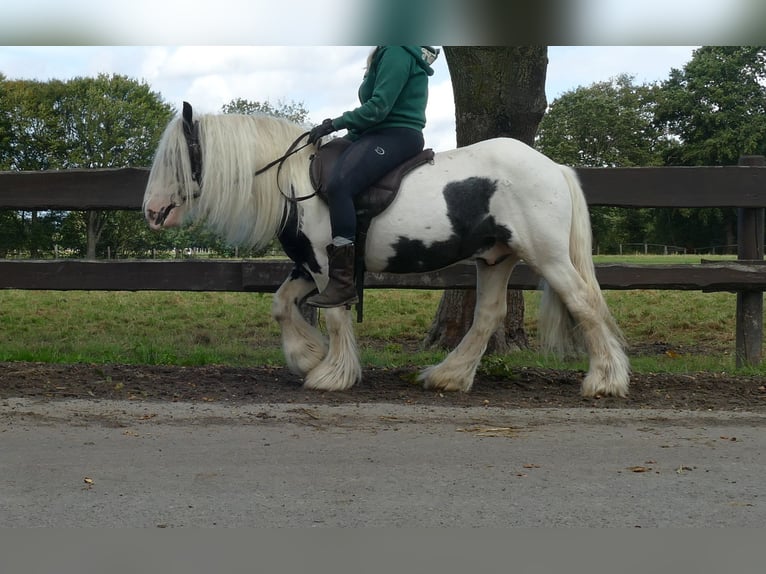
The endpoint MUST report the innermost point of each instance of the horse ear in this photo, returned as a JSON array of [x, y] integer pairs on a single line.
[[187, 113]]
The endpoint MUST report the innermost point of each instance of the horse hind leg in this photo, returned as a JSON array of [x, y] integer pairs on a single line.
[[457, 371], [573, 310], [303, 345]]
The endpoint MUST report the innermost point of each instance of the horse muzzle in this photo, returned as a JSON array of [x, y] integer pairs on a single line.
[[161, 217]]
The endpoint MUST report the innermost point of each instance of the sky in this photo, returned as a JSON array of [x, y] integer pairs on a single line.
[[322, 78], [313, 52]]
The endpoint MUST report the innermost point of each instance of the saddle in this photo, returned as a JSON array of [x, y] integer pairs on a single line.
[[368, 203]]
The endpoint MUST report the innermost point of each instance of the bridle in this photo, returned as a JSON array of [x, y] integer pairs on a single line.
[[191, 135]]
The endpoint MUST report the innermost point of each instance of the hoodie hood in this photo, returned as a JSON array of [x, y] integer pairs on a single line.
[[424, 56]]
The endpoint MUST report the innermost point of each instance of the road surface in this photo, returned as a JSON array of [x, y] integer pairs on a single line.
[[99, 463]]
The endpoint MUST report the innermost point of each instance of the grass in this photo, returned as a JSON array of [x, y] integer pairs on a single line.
[[669, 331]]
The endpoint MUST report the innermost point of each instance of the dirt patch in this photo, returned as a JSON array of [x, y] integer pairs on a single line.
[[525, 388]]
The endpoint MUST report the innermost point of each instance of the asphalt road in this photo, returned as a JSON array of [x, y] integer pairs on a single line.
[[152, 464]]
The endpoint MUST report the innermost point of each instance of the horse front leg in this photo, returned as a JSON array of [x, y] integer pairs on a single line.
[[303, 345], [341, 367], [457, 371]]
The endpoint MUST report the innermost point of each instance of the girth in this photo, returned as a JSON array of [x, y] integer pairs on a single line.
[[368, 203]]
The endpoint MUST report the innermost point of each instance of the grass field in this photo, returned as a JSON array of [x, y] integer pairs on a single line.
[[671, 331]]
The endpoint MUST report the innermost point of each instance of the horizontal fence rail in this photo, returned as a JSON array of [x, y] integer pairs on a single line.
[[266, 276], [123, 188], [742, 187]]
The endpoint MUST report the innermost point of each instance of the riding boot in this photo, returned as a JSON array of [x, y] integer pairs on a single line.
[[340, 290]]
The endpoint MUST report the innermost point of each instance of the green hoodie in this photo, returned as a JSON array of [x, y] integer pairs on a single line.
[[394, 92]]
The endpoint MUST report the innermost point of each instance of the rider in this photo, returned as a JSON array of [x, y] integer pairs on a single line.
[[385, 130]]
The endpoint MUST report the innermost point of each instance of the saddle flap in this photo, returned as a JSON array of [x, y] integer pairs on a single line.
[[382, 193], [322, 162]]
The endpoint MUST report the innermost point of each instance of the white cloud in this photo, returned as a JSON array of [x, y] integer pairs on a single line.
[[440, 125], [323, 78]]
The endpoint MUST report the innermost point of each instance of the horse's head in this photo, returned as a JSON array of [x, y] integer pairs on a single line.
[[210, 168], [175, 177]]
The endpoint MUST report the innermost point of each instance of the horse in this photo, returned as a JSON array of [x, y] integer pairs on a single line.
[[496, 202]]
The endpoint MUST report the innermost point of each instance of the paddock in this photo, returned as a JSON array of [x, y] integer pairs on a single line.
[[742, 187]]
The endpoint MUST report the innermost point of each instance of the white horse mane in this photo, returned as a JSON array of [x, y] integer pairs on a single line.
[[234, 147]]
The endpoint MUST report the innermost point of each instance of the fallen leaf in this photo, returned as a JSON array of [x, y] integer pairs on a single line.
[[531, 466], [87, 480], [639, 469]]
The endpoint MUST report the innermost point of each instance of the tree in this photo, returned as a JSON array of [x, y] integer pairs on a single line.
[[30, 139], [6, 125], [34, 138], [715, 108], [110, 121], [715, 111], [607, 124], [293, 111], [498, 91], [83, 123]]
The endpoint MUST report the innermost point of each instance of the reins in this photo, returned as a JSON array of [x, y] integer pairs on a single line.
[[290, 151], [191, 135], [294, 148]]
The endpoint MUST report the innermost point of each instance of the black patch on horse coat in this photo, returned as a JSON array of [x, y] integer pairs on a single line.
[[295, 244], [473, 230]]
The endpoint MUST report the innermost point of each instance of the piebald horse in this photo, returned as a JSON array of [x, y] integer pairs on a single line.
[[495, 203]]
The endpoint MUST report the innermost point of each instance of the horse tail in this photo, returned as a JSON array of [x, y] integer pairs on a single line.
[[559, 332]]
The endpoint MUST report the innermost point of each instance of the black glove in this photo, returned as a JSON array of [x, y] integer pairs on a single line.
[[323, 129]]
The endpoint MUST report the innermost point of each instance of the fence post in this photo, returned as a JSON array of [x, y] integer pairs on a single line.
[[750, 230]]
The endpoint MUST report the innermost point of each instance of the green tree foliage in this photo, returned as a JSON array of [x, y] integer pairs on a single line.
[[29, 140], [107, 121], [607, 124], [6, 125], [293, 111], [715, 111], [34, 138], [709, 113], [91, 123], [110, 121], [715, 107]]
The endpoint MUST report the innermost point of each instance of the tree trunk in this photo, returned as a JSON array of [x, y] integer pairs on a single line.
[[95, 225], [499, 92], [34, 252]]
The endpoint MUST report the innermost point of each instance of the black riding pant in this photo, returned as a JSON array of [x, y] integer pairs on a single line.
[[362, 164]]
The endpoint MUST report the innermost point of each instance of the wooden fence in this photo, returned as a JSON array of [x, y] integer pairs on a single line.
[[742, 187]]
